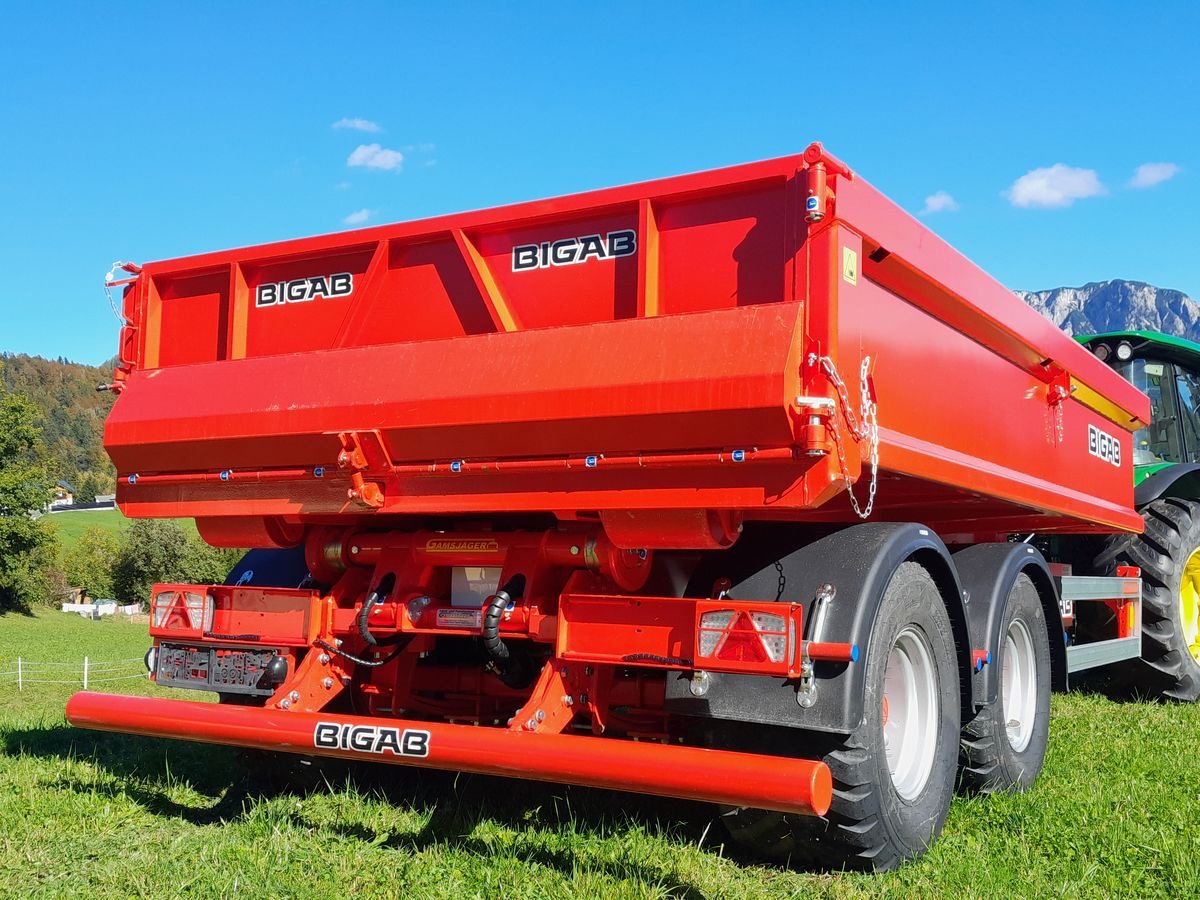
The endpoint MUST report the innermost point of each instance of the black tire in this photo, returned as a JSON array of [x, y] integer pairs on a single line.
[[870, 825], [266, 770], [991, 758], [1167, 668], [270, 568]]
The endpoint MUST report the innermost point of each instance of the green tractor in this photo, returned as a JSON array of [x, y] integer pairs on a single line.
[[1166, 459]]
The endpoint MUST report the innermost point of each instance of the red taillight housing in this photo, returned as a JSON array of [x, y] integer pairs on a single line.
[[748, 638]]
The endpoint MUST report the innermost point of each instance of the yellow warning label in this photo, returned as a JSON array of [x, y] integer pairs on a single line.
[[850, 265]]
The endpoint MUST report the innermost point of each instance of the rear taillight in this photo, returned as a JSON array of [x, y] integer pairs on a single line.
[[183, 609], [773, 632], [160, 608], [743, 636]]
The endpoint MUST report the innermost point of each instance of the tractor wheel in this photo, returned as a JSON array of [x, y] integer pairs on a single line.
[[1168, 553], [893, 778], [1004, 746]]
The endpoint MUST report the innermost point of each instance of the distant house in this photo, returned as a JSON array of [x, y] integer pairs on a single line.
[[64, 495]]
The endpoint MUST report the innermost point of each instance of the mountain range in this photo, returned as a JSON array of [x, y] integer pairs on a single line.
[[1116, 306]]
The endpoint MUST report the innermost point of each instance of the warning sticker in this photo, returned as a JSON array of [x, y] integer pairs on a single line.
[[459, 618], [850, 265]]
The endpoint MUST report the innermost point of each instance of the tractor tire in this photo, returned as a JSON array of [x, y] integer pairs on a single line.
[[1168, 553], [893, 778], [270, 568], [1004, 746]]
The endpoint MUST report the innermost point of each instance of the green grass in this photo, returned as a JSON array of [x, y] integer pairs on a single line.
[[70, 526], [1116, 813]]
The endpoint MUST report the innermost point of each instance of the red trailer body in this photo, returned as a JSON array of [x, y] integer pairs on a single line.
[[642, 352], [588, 465]]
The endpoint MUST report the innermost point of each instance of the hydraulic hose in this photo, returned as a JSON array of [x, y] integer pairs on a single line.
[[510, 671], [377, 596]]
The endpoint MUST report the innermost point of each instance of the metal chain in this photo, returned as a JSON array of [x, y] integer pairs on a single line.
[[782, 586], [108, 280], [863, 427]]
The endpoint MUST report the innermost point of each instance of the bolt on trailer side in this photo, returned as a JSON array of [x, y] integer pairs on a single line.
[[592, 464]]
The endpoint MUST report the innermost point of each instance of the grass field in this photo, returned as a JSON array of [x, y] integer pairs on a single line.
[[71, 525], [1116, 813]]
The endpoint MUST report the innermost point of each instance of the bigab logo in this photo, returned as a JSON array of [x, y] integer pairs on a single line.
[[573, 251], [378, 739], [304, 290], [1104, 446]]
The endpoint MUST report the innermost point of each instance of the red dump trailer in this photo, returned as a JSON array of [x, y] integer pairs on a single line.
[[732, 486]]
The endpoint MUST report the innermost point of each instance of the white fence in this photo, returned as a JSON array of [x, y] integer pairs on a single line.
[[84, 672]]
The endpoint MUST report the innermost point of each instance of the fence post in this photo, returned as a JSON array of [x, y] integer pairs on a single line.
[[85, 672], [20, 675]]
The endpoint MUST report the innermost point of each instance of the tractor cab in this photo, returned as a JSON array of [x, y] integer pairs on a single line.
[[1167, 370]]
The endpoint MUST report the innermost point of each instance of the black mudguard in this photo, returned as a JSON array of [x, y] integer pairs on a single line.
[[859, 562], [1181, 480], [987, 573]]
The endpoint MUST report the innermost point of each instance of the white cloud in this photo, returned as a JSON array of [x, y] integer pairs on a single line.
[[939, 202], [1056, 185], [373, 156], [358, 217], [1150, 174], [342, 186], [357, 125]]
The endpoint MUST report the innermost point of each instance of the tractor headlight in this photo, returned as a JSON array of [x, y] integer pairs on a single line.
[[1124, 351]]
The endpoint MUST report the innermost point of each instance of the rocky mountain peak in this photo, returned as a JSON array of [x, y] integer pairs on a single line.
[[1118, 305]]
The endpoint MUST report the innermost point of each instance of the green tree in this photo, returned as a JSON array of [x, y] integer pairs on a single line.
[[151, 550], [24, 491], [208, 565], [157, 550], [85, 488], [90, 563]]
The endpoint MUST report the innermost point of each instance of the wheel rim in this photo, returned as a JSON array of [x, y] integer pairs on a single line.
[[910, 712], [1189, 604], [1018, 685]]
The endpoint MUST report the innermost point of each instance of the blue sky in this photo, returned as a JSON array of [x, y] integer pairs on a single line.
[[145, 132]]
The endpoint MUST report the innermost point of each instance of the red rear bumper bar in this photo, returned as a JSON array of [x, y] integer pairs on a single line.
[[716, 776]]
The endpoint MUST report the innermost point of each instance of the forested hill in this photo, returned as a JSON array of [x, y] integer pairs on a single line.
[[72, 412]]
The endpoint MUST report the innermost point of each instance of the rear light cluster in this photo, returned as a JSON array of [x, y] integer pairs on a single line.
[[746, 636], [183, 609]]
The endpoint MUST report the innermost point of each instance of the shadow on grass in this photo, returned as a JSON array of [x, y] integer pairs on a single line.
[[452, 805], [1116, 683]]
